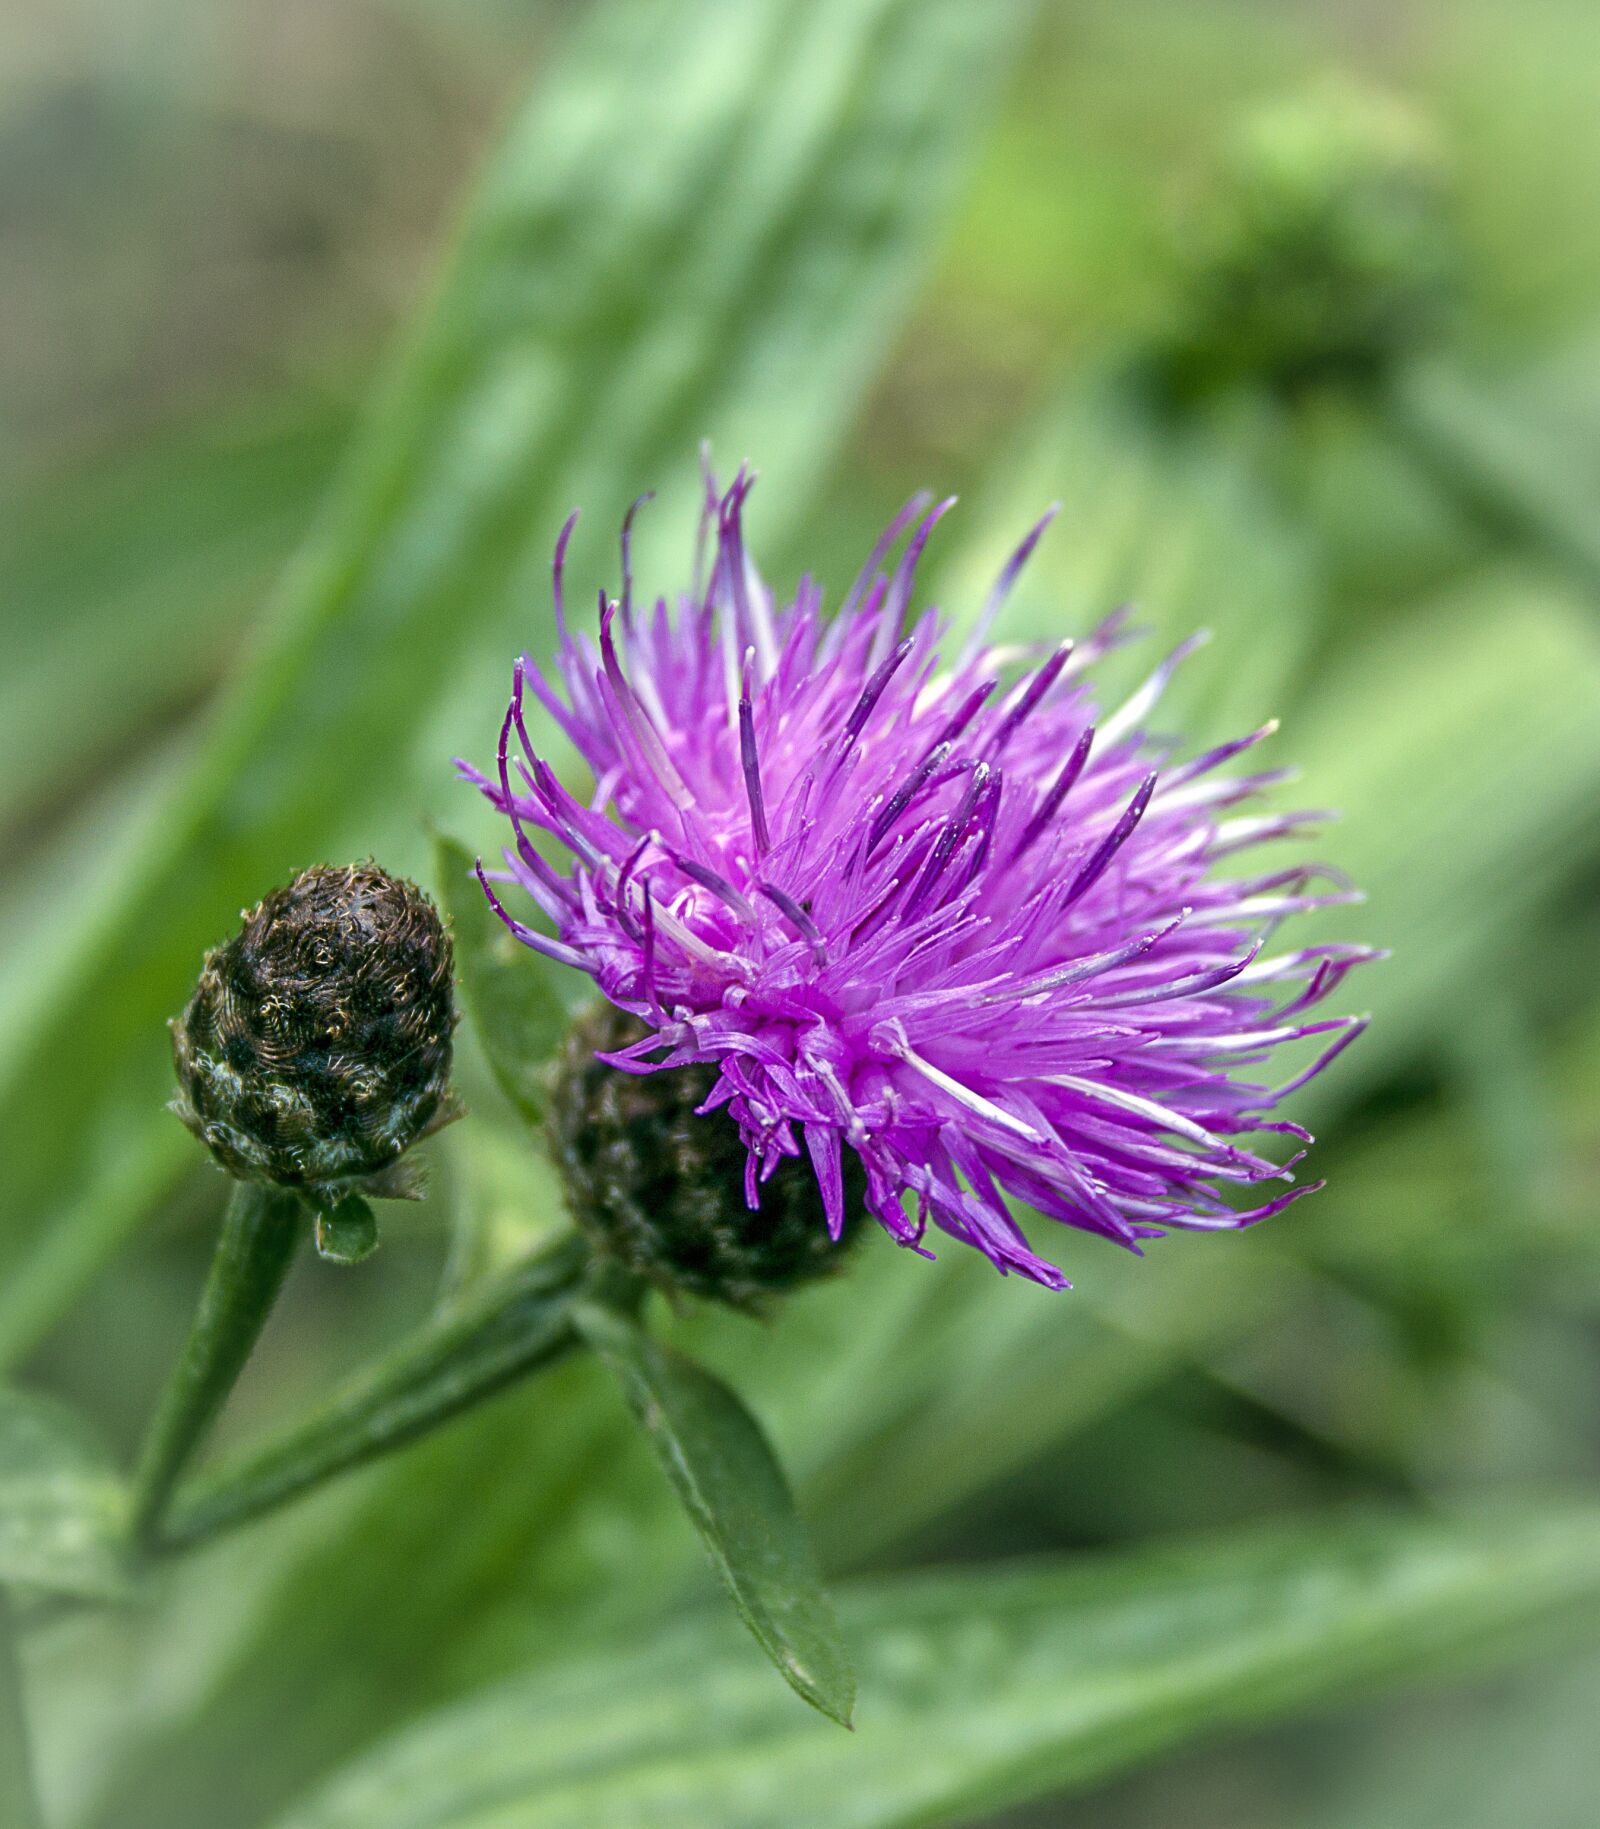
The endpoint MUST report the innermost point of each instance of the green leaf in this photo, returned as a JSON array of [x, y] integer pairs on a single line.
[[124, 582], [718, 1460], [1170, 516], [984, 1690], [1497, 467], [605, 310], [19, 1799], [1522, 1753], [519, 1000], [1462, 747], [63, 1511]]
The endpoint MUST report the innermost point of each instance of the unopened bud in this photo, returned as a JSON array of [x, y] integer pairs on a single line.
[[660, 1186], [316, 1047]]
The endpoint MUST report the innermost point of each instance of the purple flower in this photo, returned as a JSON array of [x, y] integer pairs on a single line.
[[946, 914]]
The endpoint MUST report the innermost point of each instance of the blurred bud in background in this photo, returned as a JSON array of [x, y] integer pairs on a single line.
[[1323, 250]]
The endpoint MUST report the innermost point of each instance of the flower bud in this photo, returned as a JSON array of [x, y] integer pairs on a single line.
[[1325, 251], [660, 1185], [316, 1047]]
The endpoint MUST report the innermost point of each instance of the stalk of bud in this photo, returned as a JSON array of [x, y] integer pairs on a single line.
[[314, 1052]]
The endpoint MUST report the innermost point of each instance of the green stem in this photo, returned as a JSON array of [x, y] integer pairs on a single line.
[[516, 1324], [19, 1801], [262, 1227], [1502, 478]]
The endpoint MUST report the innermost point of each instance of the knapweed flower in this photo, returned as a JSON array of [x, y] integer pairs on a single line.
[[943, 914]]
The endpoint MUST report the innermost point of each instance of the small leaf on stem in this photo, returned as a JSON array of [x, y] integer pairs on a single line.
[[719, 1461], [347, 1233]]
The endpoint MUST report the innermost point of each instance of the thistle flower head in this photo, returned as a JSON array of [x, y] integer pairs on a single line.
[[942, 915], [316, 1047]]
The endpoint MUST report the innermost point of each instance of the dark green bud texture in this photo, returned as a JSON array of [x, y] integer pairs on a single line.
[[660, 1188], [316, 1047]]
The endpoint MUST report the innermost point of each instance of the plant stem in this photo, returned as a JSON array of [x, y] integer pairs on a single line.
[[516, 1324], [260, 1231], [19, 1801], [1485, 462]]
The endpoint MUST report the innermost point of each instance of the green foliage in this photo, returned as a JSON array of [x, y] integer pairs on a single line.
[[718, 1460], [347, 1233], [981, 1690], [1509, 476], [19, 1800], [62, 1508], [503, 1328], [1174, 518], [1325, 253], [130, 579], [1520, 1753], [519, 1002]]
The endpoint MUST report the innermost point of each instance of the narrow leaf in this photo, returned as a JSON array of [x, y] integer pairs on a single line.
[[981, 1691], [137, 569], [1498, 468], [718, 1460]]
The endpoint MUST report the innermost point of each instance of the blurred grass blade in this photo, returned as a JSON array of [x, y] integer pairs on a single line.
[[1169, 515], [984, 1690], [725, 1473], [19, 1802], [518, 1000], [63, 1511], [129, 577], [1522, 1754], [1462, 747], [1498, 468], [605, 309]]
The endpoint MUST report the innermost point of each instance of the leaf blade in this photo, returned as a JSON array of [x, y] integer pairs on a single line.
[[984, 1690], [729, 1481]]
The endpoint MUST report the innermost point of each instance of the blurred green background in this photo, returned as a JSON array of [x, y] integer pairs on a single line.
[[293, 402]]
